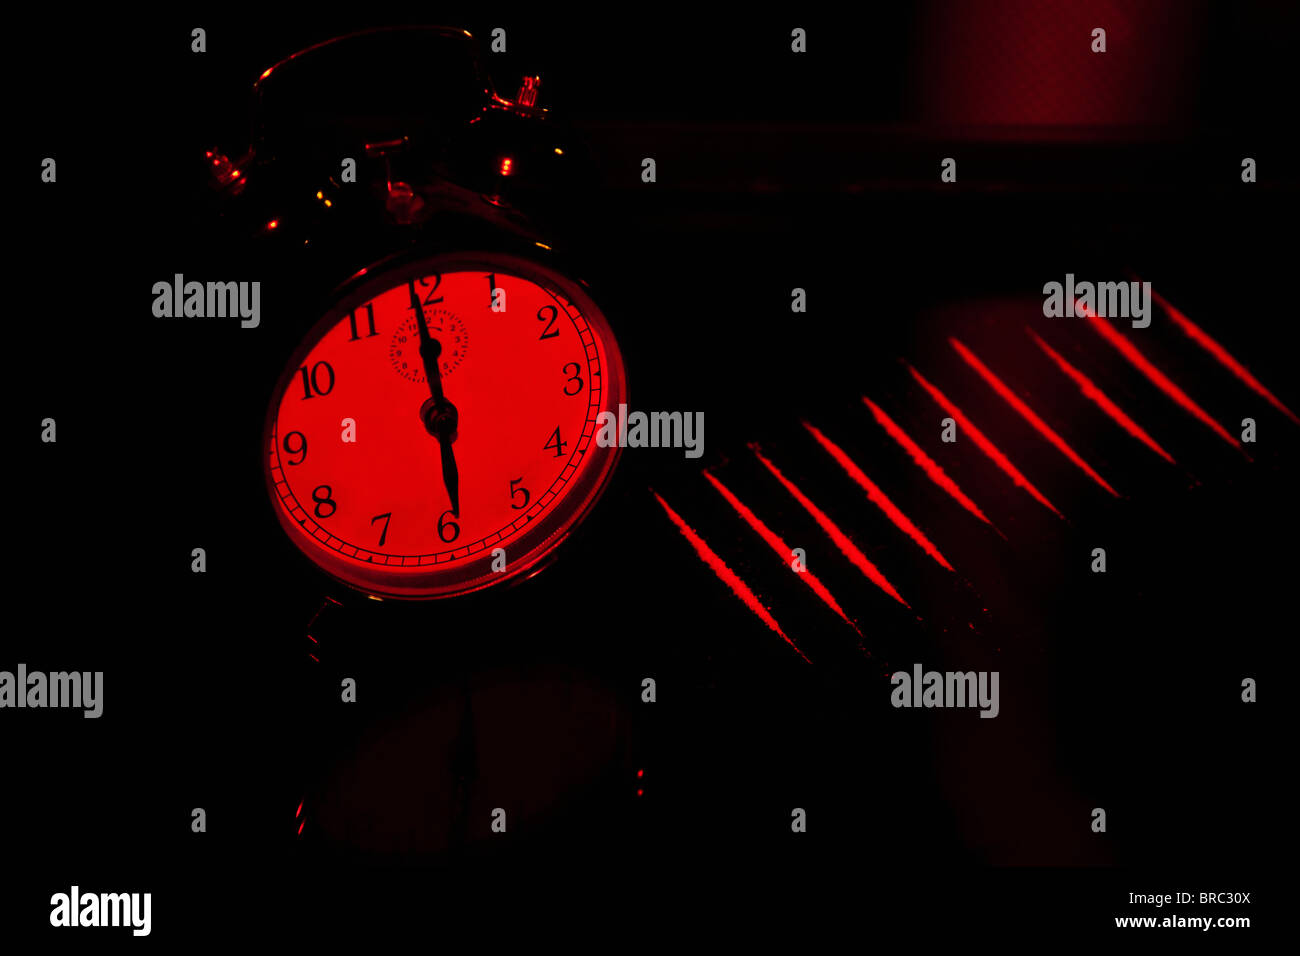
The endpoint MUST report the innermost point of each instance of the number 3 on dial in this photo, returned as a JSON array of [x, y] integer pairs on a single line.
[[413, 395]]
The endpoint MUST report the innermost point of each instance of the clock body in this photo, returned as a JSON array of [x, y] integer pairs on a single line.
[[469, 691]]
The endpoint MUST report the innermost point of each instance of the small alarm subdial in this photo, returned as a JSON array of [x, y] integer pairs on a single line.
[[443, 325]]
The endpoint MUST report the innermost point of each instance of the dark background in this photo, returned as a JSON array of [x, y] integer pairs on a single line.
[[819, 171]]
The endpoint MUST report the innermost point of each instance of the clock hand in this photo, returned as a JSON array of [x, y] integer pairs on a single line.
[[450, 477], [440, 420], [438, 414], [430, 348]]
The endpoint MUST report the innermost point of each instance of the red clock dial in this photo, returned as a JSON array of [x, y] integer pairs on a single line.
[[404, 464]]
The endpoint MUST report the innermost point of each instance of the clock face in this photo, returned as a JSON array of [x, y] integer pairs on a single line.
[[425, 462]]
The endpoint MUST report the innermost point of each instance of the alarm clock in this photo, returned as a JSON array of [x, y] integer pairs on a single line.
[[432, 430], [432, 366]]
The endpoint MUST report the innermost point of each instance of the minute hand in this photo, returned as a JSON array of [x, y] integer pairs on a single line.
[[439, 415]]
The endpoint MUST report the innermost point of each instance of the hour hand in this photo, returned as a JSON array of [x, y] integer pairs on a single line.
[[450, 477], [441, 421]]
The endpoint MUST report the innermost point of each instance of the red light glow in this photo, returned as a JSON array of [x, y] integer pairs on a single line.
[[728, 576], [1197, 335], [878, 497], [928, 464], [1092, 392], [1157, 377], [1028, 414], [982, 442], [780, 547], [841, 540]]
